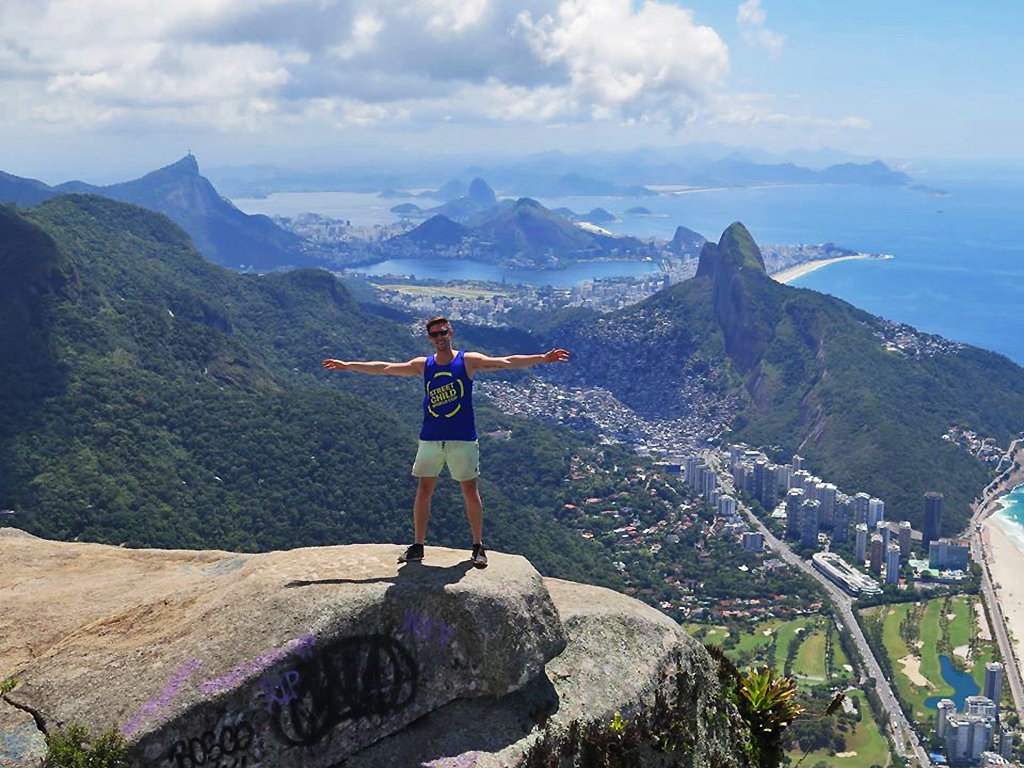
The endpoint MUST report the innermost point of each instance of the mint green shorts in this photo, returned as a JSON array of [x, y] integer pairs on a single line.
[[461, 456]]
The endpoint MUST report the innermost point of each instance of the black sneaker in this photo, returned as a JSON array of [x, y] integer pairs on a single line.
[[479, 556], [414, 554]]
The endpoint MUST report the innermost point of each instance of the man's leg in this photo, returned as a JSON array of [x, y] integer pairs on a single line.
[[474, 508], [421, 507]]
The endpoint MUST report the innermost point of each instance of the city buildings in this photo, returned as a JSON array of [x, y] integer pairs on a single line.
[[845, 575], [994, 682], [753, 541], [860, 546], [949, 554], [905, 539], [892, 564], [932, 518]]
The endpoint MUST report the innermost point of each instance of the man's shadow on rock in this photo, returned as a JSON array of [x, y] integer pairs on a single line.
[[414, 575]]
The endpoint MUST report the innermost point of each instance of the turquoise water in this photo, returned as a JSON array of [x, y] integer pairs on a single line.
[[962, 683], [1011, 517]]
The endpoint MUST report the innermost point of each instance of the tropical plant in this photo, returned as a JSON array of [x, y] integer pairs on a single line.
[[770, 705]]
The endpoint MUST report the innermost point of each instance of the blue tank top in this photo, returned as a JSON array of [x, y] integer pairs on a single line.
[[447, 401]]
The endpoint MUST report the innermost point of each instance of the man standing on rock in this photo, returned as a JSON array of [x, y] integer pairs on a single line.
[[448, 435]]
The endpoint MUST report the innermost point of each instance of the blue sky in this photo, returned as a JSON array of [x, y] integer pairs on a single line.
[[106, 89]]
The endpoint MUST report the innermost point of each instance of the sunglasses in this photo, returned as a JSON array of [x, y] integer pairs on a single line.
[[439, 334]]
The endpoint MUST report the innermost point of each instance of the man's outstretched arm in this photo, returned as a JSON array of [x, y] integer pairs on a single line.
[[478, 362], [412, 367]]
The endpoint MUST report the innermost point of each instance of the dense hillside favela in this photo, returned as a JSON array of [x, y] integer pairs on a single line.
[[788, 477]]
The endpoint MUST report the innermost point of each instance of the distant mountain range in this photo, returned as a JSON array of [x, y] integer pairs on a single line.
[[557, 174], [522, 232], [221, 232]]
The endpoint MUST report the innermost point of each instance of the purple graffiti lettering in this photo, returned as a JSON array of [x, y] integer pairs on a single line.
[[155, 706], [281, 690], [424, 626]]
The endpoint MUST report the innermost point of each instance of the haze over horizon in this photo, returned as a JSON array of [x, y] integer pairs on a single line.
[[107, 90]]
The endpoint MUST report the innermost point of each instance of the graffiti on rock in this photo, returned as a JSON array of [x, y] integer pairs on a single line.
[[279, 689], [354, 678], [302, 646], [423, 625], [162, 701], [225, 747]]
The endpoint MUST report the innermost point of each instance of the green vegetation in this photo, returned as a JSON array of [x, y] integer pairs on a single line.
[[73, 747], [666, 733], [862, 744], [154, 399], [794, 360], [770, 706], [941, 626]]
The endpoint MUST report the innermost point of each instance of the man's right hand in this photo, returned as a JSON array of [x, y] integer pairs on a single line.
[[334, 365]]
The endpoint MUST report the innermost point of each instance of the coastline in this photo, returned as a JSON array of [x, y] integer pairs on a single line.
[[1005, 562], [789, 274], [1003, 559]]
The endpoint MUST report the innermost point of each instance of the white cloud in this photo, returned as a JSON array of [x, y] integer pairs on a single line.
[[751, 19], [229, 62]]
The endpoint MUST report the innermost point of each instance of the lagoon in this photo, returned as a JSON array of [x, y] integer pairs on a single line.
[[962, 683]]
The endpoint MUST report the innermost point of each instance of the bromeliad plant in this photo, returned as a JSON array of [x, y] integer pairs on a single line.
[[770, 703]]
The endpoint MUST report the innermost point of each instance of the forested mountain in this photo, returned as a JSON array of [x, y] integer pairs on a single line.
[[154, 399], [524, 230], [812, 374], [221, 232]]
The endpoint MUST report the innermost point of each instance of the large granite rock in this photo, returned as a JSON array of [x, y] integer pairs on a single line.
[[330, 656], [296, 658]]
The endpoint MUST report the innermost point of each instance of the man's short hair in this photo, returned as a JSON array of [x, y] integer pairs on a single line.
[[436, 321]]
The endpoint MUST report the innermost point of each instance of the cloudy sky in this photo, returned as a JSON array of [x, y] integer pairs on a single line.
[[104, 89]]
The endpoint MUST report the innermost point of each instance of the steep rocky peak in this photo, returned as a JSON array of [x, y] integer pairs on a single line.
[[738, 276], [736, 250], [480, 192]]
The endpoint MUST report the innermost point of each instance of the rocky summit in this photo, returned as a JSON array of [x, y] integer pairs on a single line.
[[325, 656]]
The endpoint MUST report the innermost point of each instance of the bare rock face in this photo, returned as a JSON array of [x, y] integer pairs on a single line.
[[298, 658], [333, 656]]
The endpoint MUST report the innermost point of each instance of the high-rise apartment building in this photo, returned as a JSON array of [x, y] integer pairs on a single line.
[[932, 529], [882, 529], [944, 709], [753, 541], [877, 555], [841, 527], [952, 554], [860, 508], [810, 511], [794, 498], [994, 681], [892, 564], [876, 511], [906, 540], [860, 546]]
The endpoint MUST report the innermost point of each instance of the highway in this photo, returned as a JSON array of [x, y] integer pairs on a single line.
[[900, 730], [982, 510]]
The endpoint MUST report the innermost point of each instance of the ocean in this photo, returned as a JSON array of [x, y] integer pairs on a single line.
[[1011, 517], [958, 266]]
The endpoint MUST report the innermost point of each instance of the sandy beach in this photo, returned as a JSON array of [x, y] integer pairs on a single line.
[[799, 270], [1006, 563], [1003, 559]]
